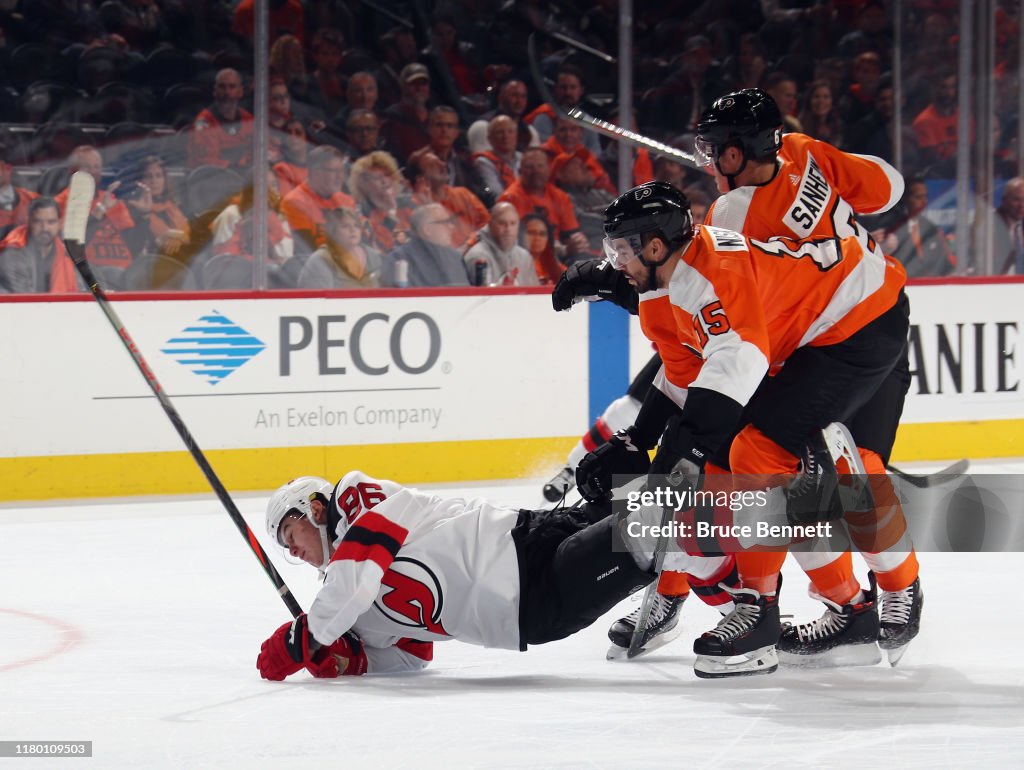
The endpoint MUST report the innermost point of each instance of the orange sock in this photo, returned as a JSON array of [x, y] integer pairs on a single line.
[[673, 584]]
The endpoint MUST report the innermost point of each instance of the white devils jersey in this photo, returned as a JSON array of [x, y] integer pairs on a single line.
[[414, 566]]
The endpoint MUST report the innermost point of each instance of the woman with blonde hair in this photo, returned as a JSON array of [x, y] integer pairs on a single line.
[[377, 186]]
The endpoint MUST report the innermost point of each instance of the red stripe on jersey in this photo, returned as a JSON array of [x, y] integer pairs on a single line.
[[421, 650], [382, 525], [378, 554]]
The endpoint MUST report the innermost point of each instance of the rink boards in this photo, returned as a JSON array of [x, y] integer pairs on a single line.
[[435, 386]]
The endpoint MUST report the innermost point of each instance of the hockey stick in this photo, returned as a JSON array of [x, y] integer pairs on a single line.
[[76, 217], [958, 468], [651, 592], [585, 119]]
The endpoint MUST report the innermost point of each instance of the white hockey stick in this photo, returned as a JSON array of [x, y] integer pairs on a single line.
[[76, 220], [588, 121]]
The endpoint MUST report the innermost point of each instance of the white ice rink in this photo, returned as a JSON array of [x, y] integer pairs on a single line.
[[136, 624]]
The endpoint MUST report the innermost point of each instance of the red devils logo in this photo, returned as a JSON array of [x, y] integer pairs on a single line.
[[412, 596]]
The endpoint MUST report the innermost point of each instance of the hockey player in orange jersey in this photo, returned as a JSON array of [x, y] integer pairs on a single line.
[[799, 187], [723, 310]]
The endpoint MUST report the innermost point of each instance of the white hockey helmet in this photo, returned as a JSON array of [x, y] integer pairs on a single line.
[[293, 499]]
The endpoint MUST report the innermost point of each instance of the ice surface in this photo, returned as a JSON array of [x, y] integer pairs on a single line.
[[136, 623]]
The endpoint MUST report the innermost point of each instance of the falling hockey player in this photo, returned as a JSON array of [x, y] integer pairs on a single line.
[[722, 310], [405, 568]]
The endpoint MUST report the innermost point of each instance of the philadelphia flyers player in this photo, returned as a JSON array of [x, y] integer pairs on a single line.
[[799, 187], [723, 310], [404, 569]]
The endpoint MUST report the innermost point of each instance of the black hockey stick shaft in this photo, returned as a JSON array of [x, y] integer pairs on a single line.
[[77, 252], [956, 469]]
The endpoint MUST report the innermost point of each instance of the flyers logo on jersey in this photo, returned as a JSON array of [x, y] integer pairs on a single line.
[[415, 598], [811, 199], [644, 193]]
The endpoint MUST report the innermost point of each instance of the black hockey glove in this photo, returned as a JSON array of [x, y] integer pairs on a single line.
[[621, 454], [677, 458], [594, 279]]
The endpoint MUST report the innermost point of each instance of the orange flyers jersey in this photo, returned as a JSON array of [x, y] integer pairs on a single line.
[[815, 193], [734, 306]]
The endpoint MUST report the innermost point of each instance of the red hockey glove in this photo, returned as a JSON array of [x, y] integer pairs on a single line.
[[345, 657], [286, 651]]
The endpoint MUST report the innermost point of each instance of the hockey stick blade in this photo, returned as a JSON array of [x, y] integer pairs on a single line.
[[588, 121], [959, 468], [76, 214]]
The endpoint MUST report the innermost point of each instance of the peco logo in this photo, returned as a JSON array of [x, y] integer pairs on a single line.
[[213, 347], [373, 344]]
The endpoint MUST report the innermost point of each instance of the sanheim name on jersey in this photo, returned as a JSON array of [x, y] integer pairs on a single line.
[[809, 206]]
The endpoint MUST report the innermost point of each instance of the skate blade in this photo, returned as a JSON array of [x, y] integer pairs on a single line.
[[895, 654], [842, 656], [763, 661], [622, 653]]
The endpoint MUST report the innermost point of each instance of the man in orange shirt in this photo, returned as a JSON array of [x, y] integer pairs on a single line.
[[304, 207], [429, 177], [533, 192], [14, 201], [568, 140], [32, 256], [936, 125], [222, 133]]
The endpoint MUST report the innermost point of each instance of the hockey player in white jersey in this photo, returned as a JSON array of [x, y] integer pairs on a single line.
[[405, 568]]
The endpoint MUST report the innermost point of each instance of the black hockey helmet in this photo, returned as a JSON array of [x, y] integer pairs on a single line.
[[748, 119], [653, 208]]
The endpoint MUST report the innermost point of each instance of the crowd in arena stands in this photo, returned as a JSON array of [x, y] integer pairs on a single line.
[[415, 150]]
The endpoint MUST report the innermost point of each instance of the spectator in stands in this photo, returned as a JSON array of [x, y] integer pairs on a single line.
[[498, 166], [287, 60], [430, 184], [426, 259], [1007, 234], [362, 134], [233, 227], [914, 240], [700, 202], [304, 207], [936, 125], [405, 123], [398, 45], [866, 74], [818, 116], [535, 233], [286, 17], [782, 88], [497, 259], [376, 184], [443, 132], [872, 33], [222, 133], [446, 51], [290, 168], [691, 85], [326, 85], [511, 101], [14, 201], [161, 226], [746, 68], [534, 192], [109, 218], [32, 256], [568, 140], [643, 164], [668, 169], [568, 93], [873, 134], [343, 262], [574, 175], [360, 94]]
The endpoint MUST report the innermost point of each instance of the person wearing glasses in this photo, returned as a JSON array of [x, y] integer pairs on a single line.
[[427, 259]]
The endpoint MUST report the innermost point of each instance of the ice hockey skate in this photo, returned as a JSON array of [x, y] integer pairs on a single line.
[[662, 627], [901, 620], [743, 642], [844, 636], [559, 485]]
